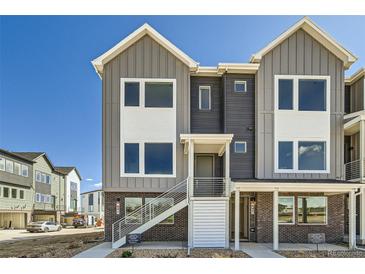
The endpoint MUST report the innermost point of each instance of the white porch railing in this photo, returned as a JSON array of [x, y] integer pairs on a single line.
[[210, 187], [352, 170], [150, 214]]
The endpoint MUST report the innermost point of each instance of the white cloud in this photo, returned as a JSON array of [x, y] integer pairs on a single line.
[[98, 184], [89, 179]]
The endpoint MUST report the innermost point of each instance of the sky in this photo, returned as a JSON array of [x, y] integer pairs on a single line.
[[50, 95]]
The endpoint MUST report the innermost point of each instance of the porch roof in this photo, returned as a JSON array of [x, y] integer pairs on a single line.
[[257, 185], [206, 143]]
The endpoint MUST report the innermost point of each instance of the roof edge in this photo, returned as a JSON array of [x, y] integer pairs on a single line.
[[356, 76]]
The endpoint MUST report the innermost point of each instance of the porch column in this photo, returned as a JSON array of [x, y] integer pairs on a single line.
[[190, 192], [362, 216], [275, 220], [237, 220], [227, 169], [352, 219], [362, 149]]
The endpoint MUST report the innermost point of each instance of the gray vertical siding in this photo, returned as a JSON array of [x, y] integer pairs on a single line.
[[239, 119], [144, 59], [300, 54], [206, 121], [357, 96]]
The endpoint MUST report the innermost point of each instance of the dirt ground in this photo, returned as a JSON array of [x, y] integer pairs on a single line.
[[179, 253], [323, 254], [62, 246]]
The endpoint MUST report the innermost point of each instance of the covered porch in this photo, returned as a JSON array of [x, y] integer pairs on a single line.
[[301, 189]]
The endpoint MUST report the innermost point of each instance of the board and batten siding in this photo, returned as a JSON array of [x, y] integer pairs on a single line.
[[300, 54], [357, 95], [144, 59]]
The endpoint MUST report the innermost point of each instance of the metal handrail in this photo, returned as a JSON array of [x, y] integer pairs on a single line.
[[209, 187], [352, 170], [148, 211]]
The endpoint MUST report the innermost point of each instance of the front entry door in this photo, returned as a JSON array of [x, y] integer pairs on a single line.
[[244, 218], [204, 166]]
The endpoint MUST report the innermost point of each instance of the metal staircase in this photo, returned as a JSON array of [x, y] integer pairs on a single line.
[[150, 214]]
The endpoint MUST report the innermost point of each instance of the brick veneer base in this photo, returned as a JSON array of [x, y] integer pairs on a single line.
[[174, 232], [297, 233]]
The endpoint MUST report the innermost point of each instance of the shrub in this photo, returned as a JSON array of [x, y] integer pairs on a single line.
[[127, 254]]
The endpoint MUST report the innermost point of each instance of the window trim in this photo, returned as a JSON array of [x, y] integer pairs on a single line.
[[296, 155], [240, 142], [240, 82], [3, 159], [200, 98], [6, 165], [308, 196], [23, 168], [293, 215], [22, 190]]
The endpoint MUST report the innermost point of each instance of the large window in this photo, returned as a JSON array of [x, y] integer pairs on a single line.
[[2, 164], [312, 210], [159, 94], [285, 155], [131, 94], [204, 98], [131, 158], [312, 95], [286, 210], [285, 94], [132, 216], [158, 158], [73, 186], [9, 166], [159, 205], [312, 155]]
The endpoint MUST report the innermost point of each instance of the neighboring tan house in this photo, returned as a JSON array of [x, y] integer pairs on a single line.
[[16, 190], [72, 180], [92, 206], [237, 152], [355, 139]]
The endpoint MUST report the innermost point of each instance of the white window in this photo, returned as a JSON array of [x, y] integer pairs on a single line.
[[14, 193], [286, 210], [302, 156], [21, 194], [204, 98], [132, 214], [240, 86], [17, 170], [24, 170], [43, 178], [240, 147], [38, 177], [159, 205], [9, 166], [38, 197], [312, 210], [48, 179], [2, 164], [6, 191]]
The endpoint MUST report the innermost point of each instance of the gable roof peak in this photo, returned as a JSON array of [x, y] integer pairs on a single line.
[[100, 61], [317, 33]]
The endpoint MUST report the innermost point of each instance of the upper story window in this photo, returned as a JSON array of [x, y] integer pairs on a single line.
[[25, 171], [41, 177], [131, 158], [148, 93], [14, 193], [204, 98], [240, 86], [91, 199], [9, 166], [131, 94], [73, 186], [285, 94], [158, 158], [302, 93], [240, 147], [5, 192], [21, 194], [285, 155], [17, 170], [2, 164], [159, 95]]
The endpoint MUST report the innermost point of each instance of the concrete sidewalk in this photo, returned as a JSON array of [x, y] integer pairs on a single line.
[[256, 250], [99, 251]]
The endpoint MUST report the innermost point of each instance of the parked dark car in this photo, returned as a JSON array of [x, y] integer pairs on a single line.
[[78, 222]]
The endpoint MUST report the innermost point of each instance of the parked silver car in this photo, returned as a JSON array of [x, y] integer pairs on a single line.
[[43, 226]]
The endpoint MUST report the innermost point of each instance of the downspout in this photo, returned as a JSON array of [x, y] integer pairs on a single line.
[[357, 193]]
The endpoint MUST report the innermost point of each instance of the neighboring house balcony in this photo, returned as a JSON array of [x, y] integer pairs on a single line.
[[354, 130], [44, 206]]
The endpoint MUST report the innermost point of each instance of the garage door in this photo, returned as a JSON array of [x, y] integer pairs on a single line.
[[209, 223], [15, 220]]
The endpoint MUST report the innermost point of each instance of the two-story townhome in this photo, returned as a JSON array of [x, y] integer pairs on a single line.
[[237, 152], [354, 146], [16, 190], [92, 206]]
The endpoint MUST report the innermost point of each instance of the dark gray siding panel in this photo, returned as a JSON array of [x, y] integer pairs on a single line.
[[15, 179], [300, 54], [357, 95], [239, 119], [144, 59], [206, 121]]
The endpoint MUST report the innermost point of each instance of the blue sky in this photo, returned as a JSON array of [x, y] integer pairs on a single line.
[[50, 96]]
